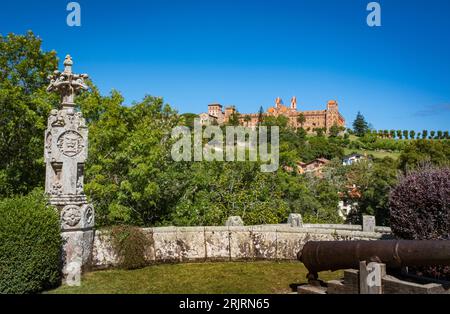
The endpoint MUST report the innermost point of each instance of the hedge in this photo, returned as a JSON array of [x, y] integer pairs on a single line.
[[30, 244]]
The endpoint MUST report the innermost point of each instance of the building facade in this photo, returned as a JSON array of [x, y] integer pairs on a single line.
[[308, 119]]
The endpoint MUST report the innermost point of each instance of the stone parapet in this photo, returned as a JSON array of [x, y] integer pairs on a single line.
[[227, 243]]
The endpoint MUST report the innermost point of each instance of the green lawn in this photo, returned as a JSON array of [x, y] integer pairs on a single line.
[[231, 277], [375, 153]]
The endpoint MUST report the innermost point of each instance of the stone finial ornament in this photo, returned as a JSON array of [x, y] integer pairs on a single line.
[[67, 84]]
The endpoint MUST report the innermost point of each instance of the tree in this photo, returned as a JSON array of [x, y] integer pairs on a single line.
[[189, 119], [399, 134], [360, 125], [301, 119], [130, 175], [405, 134], [423, 151], [432, 134], [446, 136], [424, 134], [439, 134], [334, 130], [247, 119], [24, 108], [319, 131], [420, 211], [260, 116], [392, 134], [412, 134], [234, 119]]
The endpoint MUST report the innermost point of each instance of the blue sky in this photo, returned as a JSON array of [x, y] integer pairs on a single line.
[[247, 53]]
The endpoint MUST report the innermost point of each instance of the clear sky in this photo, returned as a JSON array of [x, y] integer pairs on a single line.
[[248, 52]]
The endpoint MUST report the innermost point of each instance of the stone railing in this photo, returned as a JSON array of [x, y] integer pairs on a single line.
[[230, 243]]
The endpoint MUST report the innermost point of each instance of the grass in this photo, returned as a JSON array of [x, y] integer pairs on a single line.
[[379, 154], [230, 277]]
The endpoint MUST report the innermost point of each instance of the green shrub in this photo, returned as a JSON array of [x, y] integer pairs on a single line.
[[30, 244], [129, 245]]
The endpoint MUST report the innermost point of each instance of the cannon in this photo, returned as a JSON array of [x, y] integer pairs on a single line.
[[320, 256]]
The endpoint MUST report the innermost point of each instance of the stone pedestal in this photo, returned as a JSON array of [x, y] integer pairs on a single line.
[[66, 147]]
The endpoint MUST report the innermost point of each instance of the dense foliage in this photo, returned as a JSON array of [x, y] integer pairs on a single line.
[[420, 208], [420, 204], [30, 244], [24, 107]]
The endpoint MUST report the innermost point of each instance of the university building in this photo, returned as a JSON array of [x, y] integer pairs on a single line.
[[313, 119]]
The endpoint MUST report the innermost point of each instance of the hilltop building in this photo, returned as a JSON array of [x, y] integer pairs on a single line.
[[313, 119]]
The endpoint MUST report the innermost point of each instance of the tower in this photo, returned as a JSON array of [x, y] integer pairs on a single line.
[[294, 103], [278, 102]]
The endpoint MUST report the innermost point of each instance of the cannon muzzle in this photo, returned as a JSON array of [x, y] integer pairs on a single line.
[[335, 255]]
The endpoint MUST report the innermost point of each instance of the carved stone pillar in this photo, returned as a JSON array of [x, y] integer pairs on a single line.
[[66, 147]]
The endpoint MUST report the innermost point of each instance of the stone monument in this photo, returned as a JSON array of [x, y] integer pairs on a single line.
[[66, 147]]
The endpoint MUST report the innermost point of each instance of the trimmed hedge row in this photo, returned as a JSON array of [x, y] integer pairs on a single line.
[[30, 244]]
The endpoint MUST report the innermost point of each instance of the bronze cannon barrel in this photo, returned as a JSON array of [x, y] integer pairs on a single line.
[[334, 255]]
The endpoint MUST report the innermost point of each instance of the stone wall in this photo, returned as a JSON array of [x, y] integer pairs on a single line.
[[230, 243]]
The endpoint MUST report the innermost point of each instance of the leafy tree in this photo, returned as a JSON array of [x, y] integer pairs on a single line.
[[301, 119], [392, 134], [247, 119], [412, 134], [405, 134], [424, 134], [130, 174], [420, 211], [432, 134], [234, 119], [24, 107], [360, 125], [423, 151], [399, 134], [439, 135], [189, 119], [319, 131], [334, 130]]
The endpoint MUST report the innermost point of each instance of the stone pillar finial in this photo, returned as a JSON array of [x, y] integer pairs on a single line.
[[67, 84]]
